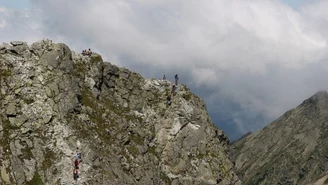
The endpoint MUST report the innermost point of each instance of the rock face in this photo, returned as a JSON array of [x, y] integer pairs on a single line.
[[54, 100], [291, 150]]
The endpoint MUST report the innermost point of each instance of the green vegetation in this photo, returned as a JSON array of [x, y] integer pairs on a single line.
[[200, 156], [165, 178], [187, 96], [4, 141], [79, 69], [28, 100], [8, 126], [326, 181], [36, 180], [5, 72], [259, 180], [133, 150], [49, 159], [96, 59], [152, 150], [137, 139]]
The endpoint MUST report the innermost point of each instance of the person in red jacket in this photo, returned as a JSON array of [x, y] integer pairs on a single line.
[[76, 164]]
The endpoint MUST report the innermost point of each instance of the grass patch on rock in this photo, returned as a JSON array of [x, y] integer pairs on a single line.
[[36, 180], [326, 181], [137, 139], [49, 158], [165, 178], [5, 72], [187, 96]]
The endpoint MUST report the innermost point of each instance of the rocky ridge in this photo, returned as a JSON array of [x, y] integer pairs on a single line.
[[54, 100], [291, 150]]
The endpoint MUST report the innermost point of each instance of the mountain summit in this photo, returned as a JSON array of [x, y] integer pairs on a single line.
[[55, 101], [291, 150]]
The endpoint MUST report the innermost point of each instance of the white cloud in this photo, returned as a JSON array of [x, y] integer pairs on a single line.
[[23, 25], [254, 58]]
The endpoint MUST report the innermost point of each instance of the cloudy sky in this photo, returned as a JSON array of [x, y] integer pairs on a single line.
[[250, 60]]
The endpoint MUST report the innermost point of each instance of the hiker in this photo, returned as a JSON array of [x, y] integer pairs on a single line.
[[76, 164], [176, 79], [173, 87], [75, 174], [168, 100], [78, 154], [89, 52], [164, 77]]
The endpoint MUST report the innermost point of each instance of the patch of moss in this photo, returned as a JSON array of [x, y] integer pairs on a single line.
[[79, 69], [5, 72], [326, 181], [152, 150], [96, 59], [187, 96], [49, 158], [133, 150], [8, 126], [4, 141], [200, 156], [165, 178], [28, 100], [259, 180], [36, 180], [137, 139]]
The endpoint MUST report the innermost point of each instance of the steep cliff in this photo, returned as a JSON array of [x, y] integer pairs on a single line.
[[291, 150], [54, 100]]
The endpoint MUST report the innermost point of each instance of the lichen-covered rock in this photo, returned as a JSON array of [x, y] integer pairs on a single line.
[[54, 100]]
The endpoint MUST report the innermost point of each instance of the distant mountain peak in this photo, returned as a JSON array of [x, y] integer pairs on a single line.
[[291, 150]]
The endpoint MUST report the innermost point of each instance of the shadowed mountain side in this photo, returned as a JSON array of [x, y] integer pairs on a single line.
[[291, 150]]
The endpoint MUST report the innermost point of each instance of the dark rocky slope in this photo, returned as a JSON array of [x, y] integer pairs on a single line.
[[53, 100], [291, 150]]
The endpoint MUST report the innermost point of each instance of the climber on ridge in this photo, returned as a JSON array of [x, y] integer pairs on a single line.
[[78, 154], [87, 52], [164, 77], [76, 164], [168, 100], [173, 88], [176, 79], [75, 174]]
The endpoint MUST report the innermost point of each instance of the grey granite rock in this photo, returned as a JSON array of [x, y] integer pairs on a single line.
[[54, 100]]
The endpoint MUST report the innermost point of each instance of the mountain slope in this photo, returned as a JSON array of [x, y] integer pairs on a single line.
[[54, 100], [291, 150]]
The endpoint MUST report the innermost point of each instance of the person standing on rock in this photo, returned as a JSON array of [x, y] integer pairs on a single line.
[[164, 77], [173, 87], [176, 79], [75, 174], [78, 154], [89, 52], [76, 164], [169, 100]]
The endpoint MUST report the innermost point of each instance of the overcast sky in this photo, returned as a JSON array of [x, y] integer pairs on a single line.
[[250, 60]]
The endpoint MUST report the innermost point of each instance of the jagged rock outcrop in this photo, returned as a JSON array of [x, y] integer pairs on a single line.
[[54, 100], [291, 150]]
